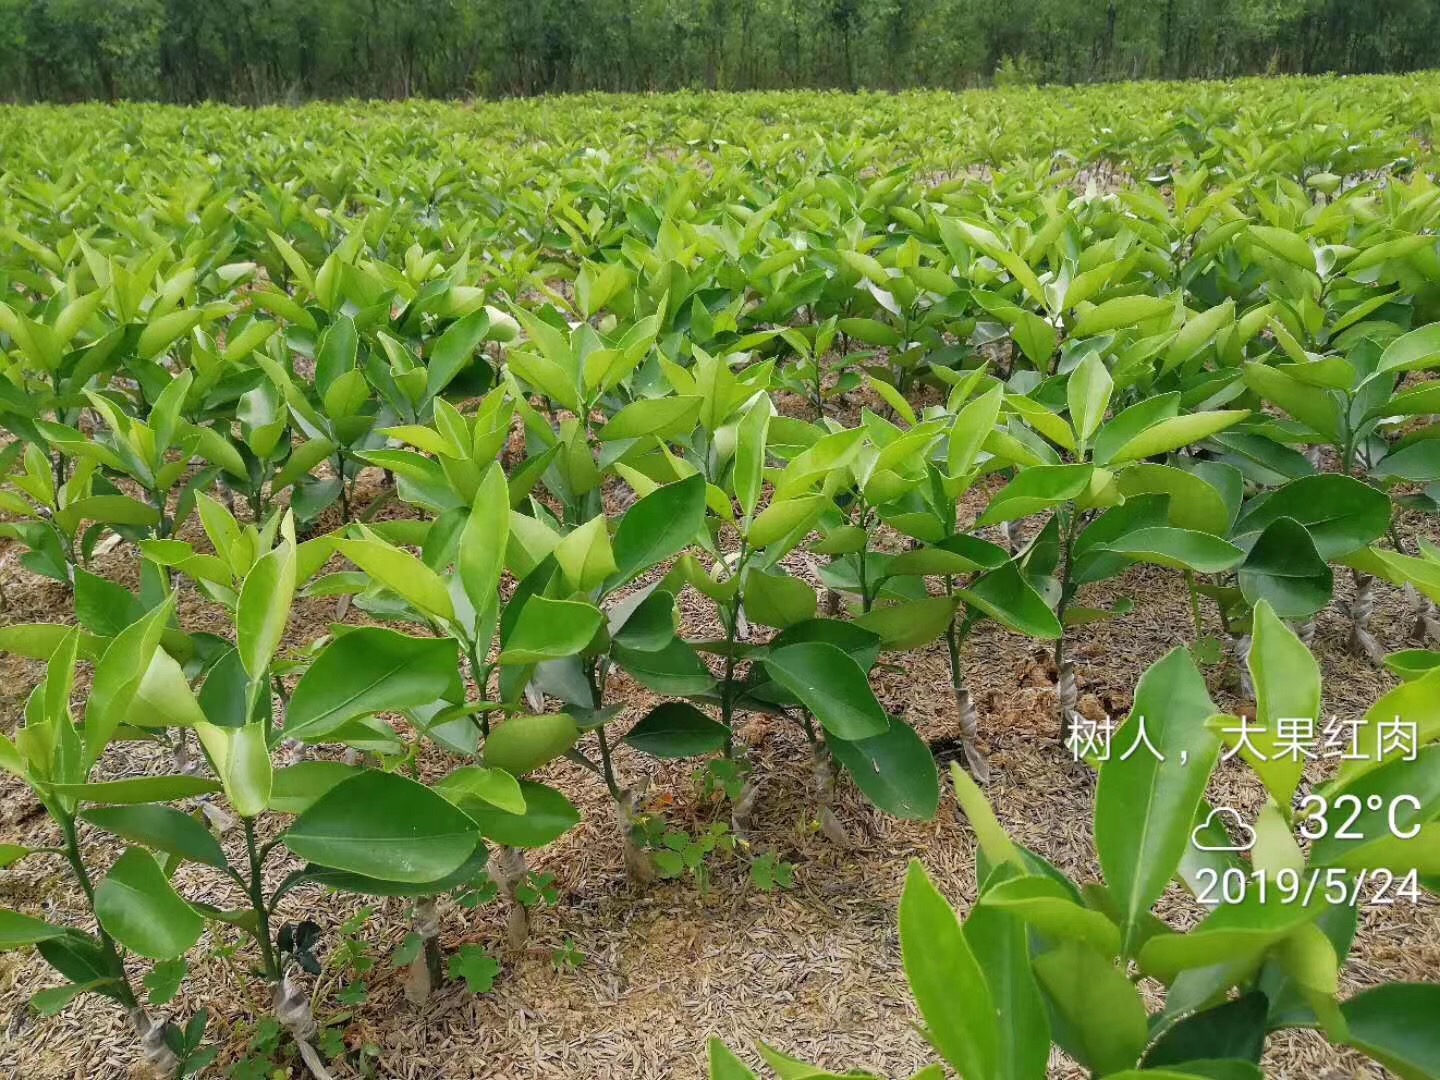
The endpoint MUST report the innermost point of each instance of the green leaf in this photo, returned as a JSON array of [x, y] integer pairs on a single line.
[[1232, 1031], [476, 966], [366, 671], [118, 677], [586, 556], [659, 526], [138, 908], [549, 629], [1315, 407], [1284, 569], [384, 826], [910, 624], [401, 573], [1010, 600], [264, 607], [161, 828], [18, 931], [1173, 434], [1145, 808], [242, 760], [1410, 352], [895, 770], [832, 686], [1287, 685], [494, 786], [144, 789], [1395, 1024], [677, 729], [1088, 394], [1179, 549], [1341, 514], [480, 559], [163, 981], [665, 417], [454, 349], [778, 600], [1001, 944], [1105, 1022], [675, 669], [726, 1066], [750, 441], [1035, 489], [948, 984], [548, 815], [521, 744], [1045, 904], [298, 787], [1237, 932], [1121, 312]]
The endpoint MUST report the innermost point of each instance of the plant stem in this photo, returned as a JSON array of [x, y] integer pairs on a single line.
[[608, 770], [257, 902], [1195, 604]]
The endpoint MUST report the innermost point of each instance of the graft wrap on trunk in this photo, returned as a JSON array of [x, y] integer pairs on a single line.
[[1425, 624], [639, 863], [291, 1004], [151, 1035], [507, 869], [1360, 608], [822, 773], [424, 973], [1240, 645], [969, 732]]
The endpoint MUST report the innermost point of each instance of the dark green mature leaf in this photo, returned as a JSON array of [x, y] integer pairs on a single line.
[[161, 828], [1395, 1025], [138, 908], [17, 930], [1145, 807], [1235, 1030], [384, 826], [366, 671], [675, 669], [1284, 568], [1010, 600], [1341, 514], [677, 729], [895, 770], [831, 685]]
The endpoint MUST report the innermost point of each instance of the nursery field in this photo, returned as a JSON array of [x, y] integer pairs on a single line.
[[697, 585]]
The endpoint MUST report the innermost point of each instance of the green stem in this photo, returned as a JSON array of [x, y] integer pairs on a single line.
[[607, 769], [256, 890], [1195, 604]]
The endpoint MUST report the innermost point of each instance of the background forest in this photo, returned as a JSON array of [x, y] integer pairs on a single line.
[[276, 50]]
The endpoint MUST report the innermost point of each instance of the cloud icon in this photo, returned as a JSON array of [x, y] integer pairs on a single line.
[[1238, 827]]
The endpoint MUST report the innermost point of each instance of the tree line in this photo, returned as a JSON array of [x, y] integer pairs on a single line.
[[259, 51]]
